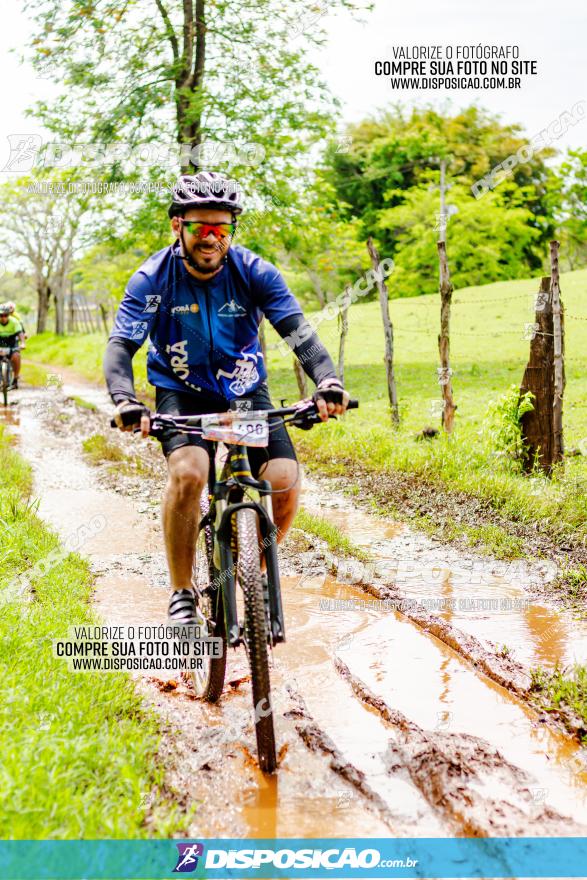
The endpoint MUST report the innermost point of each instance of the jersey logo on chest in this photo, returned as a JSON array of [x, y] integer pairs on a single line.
[[232, 309]]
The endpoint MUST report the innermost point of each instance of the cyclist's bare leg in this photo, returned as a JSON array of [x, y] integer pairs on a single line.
[[282, 473], [187, 469], [15, 359]]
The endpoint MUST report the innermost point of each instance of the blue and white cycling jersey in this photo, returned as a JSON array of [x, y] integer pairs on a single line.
[[204, 334]]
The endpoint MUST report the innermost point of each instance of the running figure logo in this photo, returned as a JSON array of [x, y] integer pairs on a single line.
[[187, 860], [23, 151]]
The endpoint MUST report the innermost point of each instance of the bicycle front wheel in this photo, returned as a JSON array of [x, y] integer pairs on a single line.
[[256, 635], [208, 681]]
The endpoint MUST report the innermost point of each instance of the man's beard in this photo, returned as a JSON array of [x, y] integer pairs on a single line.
[[206, 268]]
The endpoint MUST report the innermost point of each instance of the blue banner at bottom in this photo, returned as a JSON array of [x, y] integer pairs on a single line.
[[294, 857]]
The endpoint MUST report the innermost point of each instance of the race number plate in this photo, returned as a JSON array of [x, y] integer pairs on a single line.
[[247, 431], [4, 352]]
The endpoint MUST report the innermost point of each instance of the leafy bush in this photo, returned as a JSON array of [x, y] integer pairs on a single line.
[[504, 424]]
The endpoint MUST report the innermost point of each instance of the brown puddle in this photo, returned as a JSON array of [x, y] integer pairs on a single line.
[[483, 597], [10, 415], [411, 670]]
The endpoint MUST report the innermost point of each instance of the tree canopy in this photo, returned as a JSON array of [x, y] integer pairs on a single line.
[[395, 156]]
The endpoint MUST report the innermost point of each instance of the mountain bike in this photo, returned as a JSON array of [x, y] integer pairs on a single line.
[[6, 373], [235, 530]]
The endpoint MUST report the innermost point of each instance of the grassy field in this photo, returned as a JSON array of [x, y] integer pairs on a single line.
[[78, 751], [489, 353]]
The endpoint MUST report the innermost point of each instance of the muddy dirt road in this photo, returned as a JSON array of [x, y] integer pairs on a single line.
[[384, 729]]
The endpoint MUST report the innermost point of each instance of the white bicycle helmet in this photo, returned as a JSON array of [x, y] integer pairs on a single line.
[[206, 189]]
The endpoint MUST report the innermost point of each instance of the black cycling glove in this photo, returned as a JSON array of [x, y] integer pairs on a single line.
[[128, 414], [331, 391]]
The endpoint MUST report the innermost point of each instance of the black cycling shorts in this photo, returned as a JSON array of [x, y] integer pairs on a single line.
[[186, 403], [11, 342]]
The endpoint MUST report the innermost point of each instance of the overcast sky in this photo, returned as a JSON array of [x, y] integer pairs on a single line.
[[553, 34]]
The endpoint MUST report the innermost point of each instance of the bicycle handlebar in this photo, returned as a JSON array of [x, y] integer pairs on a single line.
[[304, 412]]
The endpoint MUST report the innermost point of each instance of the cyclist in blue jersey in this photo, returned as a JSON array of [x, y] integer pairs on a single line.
[[200, 302]]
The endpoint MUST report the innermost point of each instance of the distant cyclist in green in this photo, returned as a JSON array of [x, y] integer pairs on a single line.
[[10, 333], [22, 336]]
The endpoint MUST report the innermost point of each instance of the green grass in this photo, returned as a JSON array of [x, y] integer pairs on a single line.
[[79, 752], [488, 355], [98, 449], [562, 690], [83, 353], [576, 579], [337, 542], [33, 374], [503, 545], [572, 585], [84, 404], [488, 538]]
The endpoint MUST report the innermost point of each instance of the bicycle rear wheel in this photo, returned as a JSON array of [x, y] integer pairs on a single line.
[[256, 635], [208, 682], [5, 380]]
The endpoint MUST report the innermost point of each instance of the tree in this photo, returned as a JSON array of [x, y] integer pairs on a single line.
[[396, 151], [327, 250], [40, 231], [573, 210], [103, 272], [226, 77], [170, 84], [489, 239]]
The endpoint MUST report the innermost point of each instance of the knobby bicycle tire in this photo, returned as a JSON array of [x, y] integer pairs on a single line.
[[5, 380], [249, 575], [208, 584]]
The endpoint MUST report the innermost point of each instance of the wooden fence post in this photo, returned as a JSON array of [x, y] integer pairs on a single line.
[[71, 312], [538, 423], [263, 341], [104, 315], [343, 323], [387, 331], [559, 374], [444, 373]]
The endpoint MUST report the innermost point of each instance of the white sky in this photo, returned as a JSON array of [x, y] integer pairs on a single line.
[[552, 33]]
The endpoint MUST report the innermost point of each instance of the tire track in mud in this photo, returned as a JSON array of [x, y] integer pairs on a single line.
[[465, 777], [546, 633], [341, 756]]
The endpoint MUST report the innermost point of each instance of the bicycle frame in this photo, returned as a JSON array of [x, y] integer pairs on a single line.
[[227, 494], [226, 499]]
